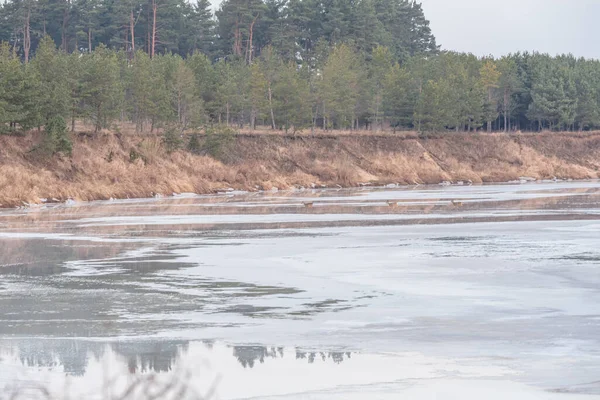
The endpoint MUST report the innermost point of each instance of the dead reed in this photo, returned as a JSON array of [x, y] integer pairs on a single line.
[[118, 165]]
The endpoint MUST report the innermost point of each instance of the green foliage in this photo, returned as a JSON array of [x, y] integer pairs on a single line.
[[340, 87], [101, 87], [56, 138], [186, 100], [553, 94], [218, 140], [239, 28], [172, 140], [282, 64], [193, 145], [290, 99], [52, 76], [135, 155], [399, 94]]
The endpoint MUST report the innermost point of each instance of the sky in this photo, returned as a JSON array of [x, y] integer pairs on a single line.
[[499, 27]]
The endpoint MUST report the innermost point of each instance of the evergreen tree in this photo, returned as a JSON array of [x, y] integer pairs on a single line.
[[185, 97], [258, 94], [56, 138], [279, 63], [16, 92], [193, 145], [399, 98], [379, 69], [490, 77], [101, 87], [201, 26], [291, 99], [339, 89], [237, 22], [52, 74], [587, 82], [554, 103], [509, 85], [205, 82], [86, 23]]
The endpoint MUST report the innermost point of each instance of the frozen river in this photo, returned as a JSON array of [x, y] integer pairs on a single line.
[[480, 292]]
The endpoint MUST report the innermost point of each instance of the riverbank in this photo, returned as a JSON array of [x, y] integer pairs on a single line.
[[110, 165]]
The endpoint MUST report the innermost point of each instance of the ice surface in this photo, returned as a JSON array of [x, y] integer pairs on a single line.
[[458, 292]]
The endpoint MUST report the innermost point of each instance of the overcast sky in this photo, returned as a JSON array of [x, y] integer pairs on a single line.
[[500, 27]]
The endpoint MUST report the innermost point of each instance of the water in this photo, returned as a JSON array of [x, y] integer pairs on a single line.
[[460, 292]]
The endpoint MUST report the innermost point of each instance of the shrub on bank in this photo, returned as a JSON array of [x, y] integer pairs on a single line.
[[219, 139], [56, 139]]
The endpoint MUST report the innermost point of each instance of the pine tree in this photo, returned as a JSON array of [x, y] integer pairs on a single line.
[[193, 145], [201, 25], [56, 138], [435, 110], [15, 91], [52, 71], [400, 97], [339, 89], [587, 82], [509, 85], [490, 77], [258, 94], [291, 99], [237, 21], [185, 97], [85, 22], [379, 68], [205, 82], [101, 87], [554, 102]]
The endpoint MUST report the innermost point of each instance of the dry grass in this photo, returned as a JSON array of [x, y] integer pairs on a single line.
[[139, 387], [102, 167]]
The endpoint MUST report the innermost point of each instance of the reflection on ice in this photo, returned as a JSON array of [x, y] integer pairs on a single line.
[[496, 289], [241, 371]]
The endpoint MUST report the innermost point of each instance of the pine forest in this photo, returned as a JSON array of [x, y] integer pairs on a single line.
[[289, 65]]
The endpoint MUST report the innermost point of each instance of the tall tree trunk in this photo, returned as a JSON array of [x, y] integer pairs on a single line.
[[132, 29], [64, 44], [376, 113], [489, 123], [271, 107], [27, 34], [98, 118], [148, 31], [179, 106], [314, 121], [506, 105], [154, 9], [249, 45], [237, 39]]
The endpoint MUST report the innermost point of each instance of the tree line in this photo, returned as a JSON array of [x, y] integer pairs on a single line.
[[240, 28], [269, 64]]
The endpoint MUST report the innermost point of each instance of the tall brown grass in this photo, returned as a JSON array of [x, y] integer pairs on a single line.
[[102, 166]]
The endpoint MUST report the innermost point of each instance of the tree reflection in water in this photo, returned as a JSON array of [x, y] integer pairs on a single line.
[[73, 356], [249, 355]]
